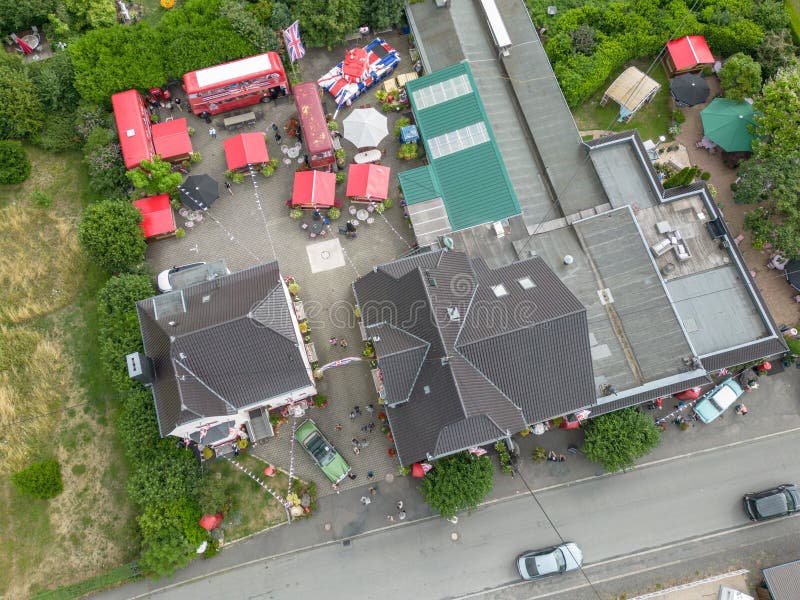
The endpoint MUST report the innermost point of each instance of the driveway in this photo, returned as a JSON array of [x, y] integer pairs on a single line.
[[253, 226]]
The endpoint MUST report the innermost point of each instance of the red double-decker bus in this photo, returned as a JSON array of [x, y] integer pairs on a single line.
[[313, 125], [236, 84]]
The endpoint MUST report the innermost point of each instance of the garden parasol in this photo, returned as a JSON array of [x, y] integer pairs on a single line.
[[689, 89], [365, 127], [729, 124], [792, 273], [199, 192]]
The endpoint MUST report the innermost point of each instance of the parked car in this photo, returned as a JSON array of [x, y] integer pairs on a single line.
[[186, 275], [718, 400], [549, 561], [777, 502], [324, 454]]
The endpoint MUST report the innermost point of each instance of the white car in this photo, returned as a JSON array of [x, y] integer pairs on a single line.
[[549, 561], [191, 274], [164, 278]]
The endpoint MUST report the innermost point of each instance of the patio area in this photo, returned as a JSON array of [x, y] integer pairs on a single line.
[[252, 225]]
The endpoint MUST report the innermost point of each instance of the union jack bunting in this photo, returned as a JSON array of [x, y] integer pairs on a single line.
[[294, 45]]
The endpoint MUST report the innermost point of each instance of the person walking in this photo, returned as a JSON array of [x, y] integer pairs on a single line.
[[365, 501], [277, 137], [178, 104], [372, 490], [212, 132], [741, 409], [402, 515], [333, 341], [370, 408], [338, 427], [228, 187], [352, 476], [399, 505], [343, 344], [274, 128]]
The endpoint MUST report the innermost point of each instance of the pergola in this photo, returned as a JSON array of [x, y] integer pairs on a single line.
[[631, 90], [368, 183]]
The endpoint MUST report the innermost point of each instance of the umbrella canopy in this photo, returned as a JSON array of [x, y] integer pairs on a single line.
[[211, 522], [365, 127], [689, 89], [792, 273], [369, 181], [199, 192], [314, 189], [728, 124]]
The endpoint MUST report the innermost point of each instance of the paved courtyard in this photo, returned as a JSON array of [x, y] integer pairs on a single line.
[[253, 226]]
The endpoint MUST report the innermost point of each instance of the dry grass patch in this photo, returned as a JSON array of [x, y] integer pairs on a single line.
[[40, 264]]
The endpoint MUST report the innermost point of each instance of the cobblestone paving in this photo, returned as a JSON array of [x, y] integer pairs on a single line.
[[253, 226]]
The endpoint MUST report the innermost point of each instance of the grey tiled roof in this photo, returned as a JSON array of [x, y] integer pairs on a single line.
[[234, 345], [640, 398], [474, 382], [783, 581], [744, 354]]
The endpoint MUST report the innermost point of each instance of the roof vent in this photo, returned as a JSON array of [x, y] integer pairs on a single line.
[[427, 389], [453, 314], [526, 283], [445, 360], [172, 323], [130, 132], [140, 368], [182, 356], [605, 296], [568, 260], [500, 290], [206, 298]]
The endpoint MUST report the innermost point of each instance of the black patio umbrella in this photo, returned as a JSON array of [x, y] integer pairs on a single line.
[[689, 89], [199, 192], [792, 273]]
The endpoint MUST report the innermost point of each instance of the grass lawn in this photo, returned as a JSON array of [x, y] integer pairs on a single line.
[[652, 120], [53, 392], [253, 508]]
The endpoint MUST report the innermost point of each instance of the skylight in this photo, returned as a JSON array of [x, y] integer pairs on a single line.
[[460, 139], [500, 290], [526, 283], [442, 92]]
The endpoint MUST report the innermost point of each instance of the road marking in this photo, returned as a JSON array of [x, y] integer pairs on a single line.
[[496, 501]]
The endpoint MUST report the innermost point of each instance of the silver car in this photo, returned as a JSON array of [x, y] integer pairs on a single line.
[[549, 561]]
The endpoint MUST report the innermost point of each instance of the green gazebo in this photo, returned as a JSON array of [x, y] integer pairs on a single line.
[[729, 124]]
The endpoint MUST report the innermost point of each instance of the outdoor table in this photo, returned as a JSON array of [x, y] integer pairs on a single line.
[[242, 119], [353, 210], [32, 40], [188, 224], [362, 215], [293, 152], [370, 220], [316, 227], [369, 156]]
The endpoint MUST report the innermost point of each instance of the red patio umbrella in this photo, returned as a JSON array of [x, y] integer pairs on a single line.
[[314, 189], [690, 394], [368, 182], [211, 522]]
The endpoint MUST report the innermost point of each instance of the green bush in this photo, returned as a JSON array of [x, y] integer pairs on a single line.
[[705, 175], [334, 213], [401, 122], [617, 439], [40, 480], [14, 164], [58, 134], [457, 482], [340, 177], [41, 199], [683, 177], [678, 116], [111, 234]]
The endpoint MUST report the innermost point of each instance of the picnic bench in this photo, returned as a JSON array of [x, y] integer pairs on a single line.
[[237, 121]]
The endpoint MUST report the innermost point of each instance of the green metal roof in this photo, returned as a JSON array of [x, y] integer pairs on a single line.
[[472, 182]]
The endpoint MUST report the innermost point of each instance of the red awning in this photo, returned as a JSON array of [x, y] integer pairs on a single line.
[[690, 394], [245, 149], [314, 189], [211, 522], [370, 181], [171, 139], [689, 51], [417, 470], [157, 217], [354, 67]]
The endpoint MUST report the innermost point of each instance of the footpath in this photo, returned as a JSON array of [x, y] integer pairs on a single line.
[[774, 407]]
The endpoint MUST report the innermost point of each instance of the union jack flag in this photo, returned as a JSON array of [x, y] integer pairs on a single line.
[[294, 45]]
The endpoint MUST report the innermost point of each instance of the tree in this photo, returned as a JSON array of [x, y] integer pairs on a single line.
[[111, 234], [777, 115], [14, 164], [776, 51], [21, 113], [53, 79], [327, 22], [154, 177], [457, 482], [40, 480], [617, 439], [118, 325], [16, 14], [739, 36], [381, 14], [107, 174], [683, 177], [583, 39], [245, 23], [170, 536], [168, 474], [740, 77], [91, 14], [281, 17]]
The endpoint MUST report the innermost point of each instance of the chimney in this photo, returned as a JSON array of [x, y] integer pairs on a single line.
[[140, 368]]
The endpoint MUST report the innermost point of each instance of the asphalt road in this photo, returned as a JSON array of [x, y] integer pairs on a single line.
[[642, 522]]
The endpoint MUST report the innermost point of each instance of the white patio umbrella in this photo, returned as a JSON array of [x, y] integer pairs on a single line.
[[365, 127]]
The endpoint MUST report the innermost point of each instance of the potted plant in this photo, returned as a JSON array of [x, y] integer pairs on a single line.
[[334, 213], [195, 157], [294, 288], [539, 454], [340, 176], [401, 122], [392, 452], [341, 157], [208, 453], [243, 443], [333, 126], [320, 401], [296, 213], [407, 152]]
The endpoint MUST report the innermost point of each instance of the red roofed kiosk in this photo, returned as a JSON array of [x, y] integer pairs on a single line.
[[158, 221], [133, 126], [171, 140], [245, 149], [368, 182], [314, 189], [688, 54]]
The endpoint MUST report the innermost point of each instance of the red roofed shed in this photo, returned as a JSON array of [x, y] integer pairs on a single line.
[[368, 183], [245, 149], [688, 54], [314, 189], [157, 217], [133, 126], [171, 140]]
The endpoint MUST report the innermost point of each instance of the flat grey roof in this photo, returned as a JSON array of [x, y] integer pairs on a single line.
[[716, 310], [548, 117], [623, 177], [430, 220], [463, 25]]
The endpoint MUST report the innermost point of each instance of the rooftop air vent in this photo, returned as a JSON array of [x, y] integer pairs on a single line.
[[206, 298], [526, 283], [445, 360], [427, 389], [453, 314], [130, 132], [568, 260], [500, 290], [172, 323]]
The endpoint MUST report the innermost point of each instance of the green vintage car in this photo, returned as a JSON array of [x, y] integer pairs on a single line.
[[324, 454]]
